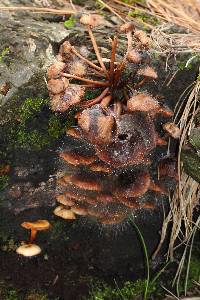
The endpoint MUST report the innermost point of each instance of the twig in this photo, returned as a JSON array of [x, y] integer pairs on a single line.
[[100, 83]]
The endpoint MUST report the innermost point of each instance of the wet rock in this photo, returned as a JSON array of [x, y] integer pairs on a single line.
[[15, 191], [26, 49], [25, 195]]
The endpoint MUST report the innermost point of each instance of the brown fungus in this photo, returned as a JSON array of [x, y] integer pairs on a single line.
[[119, 125]]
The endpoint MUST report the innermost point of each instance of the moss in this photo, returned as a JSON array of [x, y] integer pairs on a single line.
[[58, 228], [102, 291], [4, 180], [9, 245], [144, 17], [30, 107], [70, 22], [34, 295], [35, 126], [9, 293], [90, 94], [188, 62], [3, 53]]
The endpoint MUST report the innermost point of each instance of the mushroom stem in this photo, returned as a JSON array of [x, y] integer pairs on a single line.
[[96, 100], [122, 64], [141, 83], [119, 70], [95, 67], [96, 49], [32, 235], [112, 59], [105, 101], [117, 108], [105, 83], [130, 39], [125, 94]]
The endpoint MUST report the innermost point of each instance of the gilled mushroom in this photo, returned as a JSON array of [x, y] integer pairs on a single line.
[[129, 202], [142, 38], [97, 125], [147, 72], [34, 227], [135, 189], [172, 129], [57, 86], [62, 199], [77, 159], [79, 210], [79, 197], [127, 27], [55, 70], [30, 249], [100, 167], [92, 20], [65, 213], [71, 96], [82, 183], [134, 56], [74, 132], [77, 68]]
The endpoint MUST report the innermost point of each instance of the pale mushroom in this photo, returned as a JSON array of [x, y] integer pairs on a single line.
[[28, 250], [65, 213]]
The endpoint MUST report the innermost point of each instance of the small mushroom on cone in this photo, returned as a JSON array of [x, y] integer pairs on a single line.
[[172, 129]]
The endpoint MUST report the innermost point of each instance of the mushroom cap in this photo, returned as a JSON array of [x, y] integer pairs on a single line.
[[142, 102], [172, 129], [55, 69], [92, 19], [134, 56], [38, 225], [148, 72], [97, 125], [28, 250], [135, 136], [63, 212], [127, 27], [142, 38]]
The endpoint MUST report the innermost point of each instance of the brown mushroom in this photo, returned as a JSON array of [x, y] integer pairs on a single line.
[[76, 159], [55, 70], [135, 189], [172, 129], [92, 20], [148, 72], [142, 38], [62, 199], [74, 132], [79, 210], [127, 27], [134, 56], [100, 167], [39, 225], [86, 184], [64, 212]]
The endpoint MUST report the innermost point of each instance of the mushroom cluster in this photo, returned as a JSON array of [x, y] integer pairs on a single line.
[[110, 174]]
